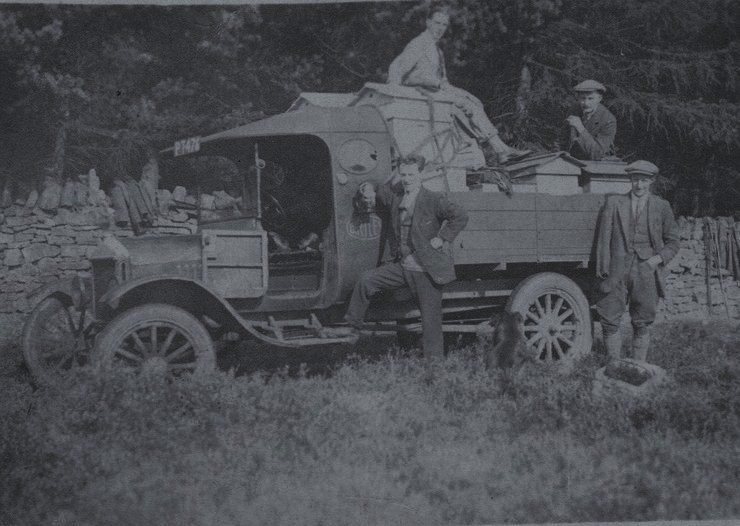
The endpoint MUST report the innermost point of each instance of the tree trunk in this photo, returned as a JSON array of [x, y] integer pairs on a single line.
[[56, 169], [522, 92]]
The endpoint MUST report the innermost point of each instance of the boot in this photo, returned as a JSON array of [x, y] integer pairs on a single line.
[[613, 344], [504, 152], [640, 343]]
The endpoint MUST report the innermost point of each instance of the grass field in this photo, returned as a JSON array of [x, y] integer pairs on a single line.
[[368, 441]]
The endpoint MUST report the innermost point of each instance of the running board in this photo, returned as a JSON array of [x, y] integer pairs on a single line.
[[384, 328], [302, 332]]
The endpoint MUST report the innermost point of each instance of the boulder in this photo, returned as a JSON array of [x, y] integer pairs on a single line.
[[698, 232], [59, 240], [13, 257], [207, 201], [81, 193], [164, 200], [33, 198], [68, 194], [93, 188], [177, 216], [179, 194], [6, 198], [222, 200], [47, 265], [36, 251], [51, 195], [73, 251]]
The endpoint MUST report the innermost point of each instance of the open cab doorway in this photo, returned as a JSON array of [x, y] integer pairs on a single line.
[[270, 227]]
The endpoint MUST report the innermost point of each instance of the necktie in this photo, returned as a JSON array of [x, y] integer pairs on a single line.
[[441, 70]]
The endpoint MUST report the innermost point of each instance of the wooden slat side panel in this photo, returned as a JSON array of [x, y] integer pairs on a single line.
[[493, 201], [566, 220], [493, 239], [566, 239], [501, 220], [482, 257], [570, 203]]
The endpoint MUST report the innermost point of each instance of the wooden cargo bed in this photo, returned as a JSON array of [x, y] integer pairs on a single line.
[[527, 227]]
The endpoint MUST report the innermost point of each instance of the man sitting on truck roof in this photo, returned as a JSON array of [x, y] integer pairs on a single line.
[[422, 225], [591, 127], [421, 65]]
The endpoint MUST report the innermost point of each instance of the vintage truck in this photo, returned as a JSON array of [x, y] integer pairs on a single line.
[[158, 302]]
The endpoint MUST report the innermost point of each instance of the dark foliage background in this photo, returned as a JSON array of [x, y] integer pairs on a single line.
[[84, 86]]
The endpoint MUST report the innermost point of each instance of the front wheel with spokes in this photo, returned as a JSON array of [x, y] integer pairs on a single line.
[[157, 339], [57, 337], [557, 319]]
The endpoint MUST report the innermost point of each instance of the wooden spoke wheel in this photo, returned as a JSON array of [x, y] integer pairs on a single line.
[[557, 319], [157, 339], [57, 336]]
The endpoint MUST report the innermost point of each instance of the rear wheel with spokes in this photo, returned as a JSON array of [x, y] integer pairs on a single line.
[[557, 319], [155, 339]]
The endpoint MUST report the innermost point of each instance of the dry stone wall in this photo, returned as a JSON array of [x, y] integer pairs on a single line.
[[38, 247], [686, 296]]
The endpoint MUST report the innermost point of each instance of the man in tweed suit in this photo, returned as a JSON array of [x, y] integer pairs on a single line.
[[637, 239], [421, 65], [422, 226]]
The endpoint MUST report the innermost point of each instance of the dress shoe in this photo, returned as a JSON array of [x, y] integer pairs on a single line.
[[512, 154]]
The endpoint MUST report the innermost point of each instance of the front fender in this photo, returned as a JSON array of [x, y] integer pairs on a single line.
[[210, 301], [113, 296], [77, 291]]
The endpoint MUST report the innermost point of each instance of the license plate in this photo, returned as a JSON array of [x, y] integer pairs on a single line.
[[186, 146]]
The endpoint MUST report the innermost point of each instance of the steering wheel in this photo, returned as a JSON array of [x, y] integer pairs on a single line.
[[273, 212]]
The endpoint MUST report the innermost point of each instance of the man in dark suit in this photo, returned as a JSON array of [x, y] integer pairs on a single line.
[[637, 239], [591, 127], [422, 226], [421, 64]]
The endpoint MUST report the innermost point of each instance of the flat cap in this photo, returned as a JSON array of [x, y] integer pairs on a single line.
[[642, 168], [590, 85]]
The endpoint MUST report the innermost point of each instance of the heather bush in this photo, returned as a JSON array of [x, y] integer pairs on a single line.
[[375, 442]]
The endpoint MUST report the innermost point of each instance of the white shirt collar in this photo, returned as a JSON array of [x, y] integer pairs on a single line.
[[409, 199]]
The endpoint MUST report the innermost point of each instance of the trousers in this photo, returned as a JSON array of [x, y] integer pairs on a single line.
[[473, 109], [426, 293], [638, 290]]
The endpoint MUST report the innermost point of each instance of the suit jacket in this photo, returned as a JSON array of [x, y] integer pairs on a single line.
[[612, 255], [434, 216], [415, 65], [598, 140]]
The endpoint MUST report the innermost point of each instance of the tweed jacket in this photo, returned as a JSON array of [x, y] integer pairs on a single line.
[[613, 240], [415, 66], [598, 141], [434, 216]]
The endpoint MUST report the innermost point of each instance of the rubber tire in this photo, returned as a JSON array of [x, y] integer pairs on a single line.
[[28, 343], [122, 325], [526, 292]]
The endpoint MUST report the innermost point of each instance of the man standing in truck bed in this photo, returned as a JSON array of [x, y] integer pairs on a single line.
[[591, 127], [421, 65], [422, 226]]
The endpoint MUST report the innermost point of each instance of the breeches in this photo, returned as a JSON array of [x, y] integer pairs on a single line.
[[637, 289], [426, 293], [473, 109]]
